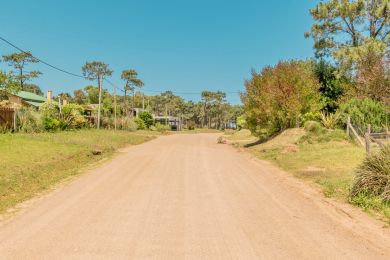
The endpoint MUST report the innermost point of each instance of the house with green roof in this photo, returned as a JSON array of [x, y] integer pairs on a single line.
[[25, 98]]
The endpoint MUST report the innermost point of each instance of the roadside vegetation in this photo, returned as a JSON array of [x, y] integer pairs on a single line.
[[297, 111], [32, 163]]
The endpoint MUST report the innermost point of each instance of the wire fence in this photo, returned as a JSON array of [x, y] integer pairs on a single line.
[[371, 139]]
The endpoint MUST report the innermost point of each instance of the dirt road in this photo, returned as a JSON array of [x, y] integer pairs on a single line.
[[185, 197]]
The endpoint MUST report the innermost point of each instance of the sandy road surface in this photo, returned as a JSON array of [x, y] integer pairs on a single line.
[[185, 197]]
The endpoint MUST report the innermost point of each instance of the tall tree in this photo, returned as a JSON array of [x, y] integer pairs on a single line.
[[278, 96], [131, 82], [19, 61], [79, 96], [97, 70], [331, 88], [207, 97], [346, 29], [32, 88]]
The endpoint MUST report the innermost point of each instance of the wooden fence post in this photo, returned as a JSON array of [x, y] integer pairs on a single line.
[[14, 119], [348, 124], [368, 141]]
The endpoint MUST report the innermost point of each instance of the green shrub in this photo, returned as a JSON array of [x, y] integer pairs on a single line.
[[241, 122], [313, 127], [318, 134], [49, 109], [162, 128], [366, 111], [72, 117], [373, 176], [310, 116], [140, 123], [191, 125], [127, 123], [50, 113], [330, 121], [29, 121], [147, 118], [51, 124]]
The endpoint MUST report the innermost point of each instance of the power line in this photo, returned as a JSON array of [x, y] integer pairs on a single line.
[[109, 82], [41, 61]]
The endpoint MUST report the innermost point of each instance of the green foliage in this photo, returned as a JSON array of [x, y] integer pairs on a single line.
[[32, 88], [72, 117], [318, 134], [278, 96], [213, 106], [310, 116], [50, 114], [331, 88], [140, 123], [131, 80], [51, 124], [7, 83], [127, 123], [79, 96], [147, 118], [29, 121], [330, 121], [92, 94], [162, 128], [372, 77], [19, 61], [49, 109], [373, 176], [95, 70], [191, 125], [241, 122], [366, 111], [313, 127], [344, 28]]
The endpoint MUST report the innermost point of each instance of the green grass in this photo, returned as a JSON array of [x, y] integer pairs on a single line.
[[32, 163], [328, 160]]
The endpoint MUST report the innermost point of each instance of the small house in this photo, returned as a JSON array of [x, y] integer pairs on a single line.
[[28, 99]]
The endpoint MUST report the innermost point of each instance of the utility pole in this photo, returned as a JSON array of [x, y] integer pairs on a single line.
[[100, 100], [143, 102], [115, 105], [59, 104], [166, 114]]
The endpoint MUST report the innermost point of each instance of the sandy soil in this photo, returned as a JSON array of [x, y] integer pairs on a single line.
[[186, 197]]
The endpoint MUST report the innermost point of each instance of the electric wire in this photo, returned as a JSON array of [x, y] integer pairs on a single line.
[[108, 81]]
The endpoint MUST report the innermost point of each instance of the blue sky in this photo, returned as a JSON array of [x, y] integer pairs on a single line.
[[178, 45]]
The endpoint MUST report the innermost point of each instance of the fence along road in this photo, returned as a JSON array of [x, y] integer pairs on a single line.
[[185, 197]]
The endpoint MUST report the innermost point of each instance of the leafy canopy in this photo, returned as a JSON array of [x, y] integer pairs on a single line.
[[96, 70], [277, 97], [19, 61], [131, 80], [346, 29]]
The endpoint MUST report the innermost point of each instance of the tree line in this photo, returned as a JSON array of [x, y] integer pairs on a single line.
[[212, 111]]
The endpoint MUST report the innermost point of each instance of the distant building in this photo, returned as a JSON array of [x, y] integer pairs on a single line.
[[135, 111], [173, 122], [28, 99]]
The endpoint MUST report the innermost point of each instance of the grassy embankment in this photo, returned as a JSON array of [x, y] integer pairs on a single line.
[[32, 163], [327, 160]]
